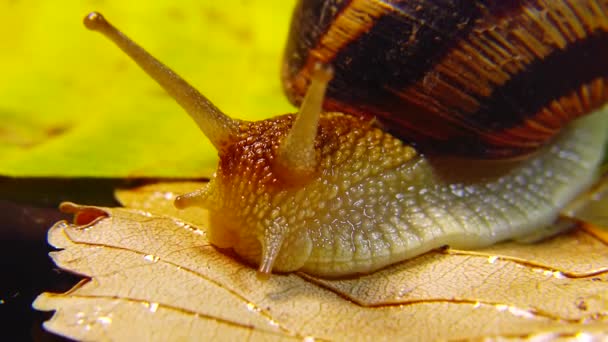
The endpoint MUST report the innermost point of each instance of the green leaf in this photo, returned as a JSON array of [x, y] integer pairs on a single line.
[[73, 105]]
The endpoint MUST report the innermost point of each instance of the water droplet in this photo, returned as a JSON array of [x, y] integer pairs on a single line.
[[554, 274], [190, 228], [520, 312], [168, 195], [253, 307], [105, 320], [582, 336], [477, 305], [492, 259], [515, 311], [403, 291], [152, 307], [309, 339], [143, 213], [558, 275], [151, 258]]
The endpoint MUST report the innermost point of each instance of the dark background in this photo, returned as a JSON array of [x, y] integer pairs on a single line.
[[28, 208]]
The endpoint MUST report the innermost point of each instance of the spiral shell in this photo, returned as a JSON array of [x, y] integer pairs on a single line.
[[484, 79]]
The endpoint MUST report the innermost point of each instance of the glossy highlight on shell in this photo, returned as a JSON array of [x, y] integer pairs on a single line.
[[482, 79]]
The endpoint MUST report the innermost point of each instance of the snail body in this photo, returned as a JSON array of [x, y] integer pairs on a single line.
[[333, 194], [375, 201]]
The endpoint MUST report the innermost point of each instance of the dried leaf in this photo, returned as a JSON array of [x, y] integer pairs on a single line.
[[152, 266]]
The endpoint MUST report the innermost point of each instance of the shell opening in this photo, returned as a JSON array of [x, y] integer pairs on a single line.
[[217, 126]]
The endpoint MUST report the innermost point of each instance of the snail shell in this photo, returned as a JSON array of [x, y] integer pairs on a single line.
[[332, 194], [482, 79]]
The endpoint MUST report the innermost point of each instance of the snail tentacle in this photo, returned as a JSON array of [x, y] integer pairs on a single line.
[[197, 198], [217, 126], [271, 244], [296, 157], [278, 242]]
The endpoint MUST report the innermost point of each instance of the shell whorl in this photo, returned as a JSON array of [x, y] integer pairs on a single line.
[[487, 79]]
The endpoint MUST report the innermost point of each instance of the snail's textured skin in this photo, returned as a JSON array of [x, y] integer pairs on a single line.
[[375, 201], [480, 78], [336, 195]]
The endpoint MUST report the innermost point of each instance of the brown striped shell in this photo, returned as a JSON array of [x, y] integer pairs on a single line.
[[485, 79]]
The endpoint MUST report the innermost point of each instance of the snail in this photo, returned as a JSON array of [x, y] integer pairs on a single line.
[[334, 193]]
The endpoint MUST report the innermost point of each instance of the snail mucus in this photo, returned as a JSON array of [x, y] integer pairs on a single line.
[[482, 97]]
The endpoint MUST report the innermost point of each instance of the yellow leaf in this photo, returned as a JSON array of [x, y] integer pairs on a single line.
[[73, 105]]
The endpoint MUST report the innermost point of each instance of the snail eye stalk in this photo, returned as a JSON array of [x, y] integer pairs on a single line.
[[217, 126], [296, 159]]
